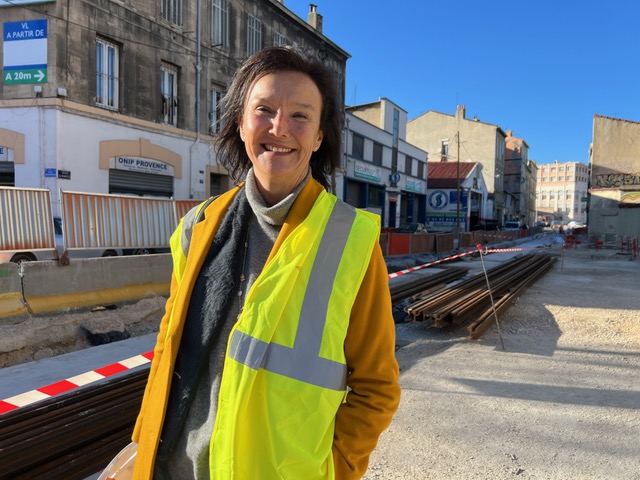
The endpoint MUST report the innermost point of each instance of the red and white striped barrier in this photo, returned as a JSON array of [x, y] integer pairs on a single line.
[[493, 250], [63, 386], [413, 269]]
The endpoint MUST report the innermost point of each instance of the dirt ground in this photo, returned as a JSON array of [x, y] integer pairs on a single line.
[[560, 401]]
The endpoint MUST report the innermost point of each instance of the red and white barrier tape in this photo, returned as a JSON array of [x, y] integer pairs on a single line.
[[493, 250], [63, 386], [413, 269]]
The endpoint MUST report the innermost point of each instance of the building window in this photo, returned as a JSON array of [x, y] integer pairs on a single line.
[[254, 35], [444, 150], [421, 170], [552, 196], [408, 164], [219, 23], [169, 90], [377, 153], [569, 178], [171, 11], [215, 111], [279, 39], [357, 146], [106, 74]]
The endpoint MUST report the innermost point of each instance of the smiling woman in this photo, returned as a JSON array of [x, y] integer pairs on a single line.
[[279, 305]]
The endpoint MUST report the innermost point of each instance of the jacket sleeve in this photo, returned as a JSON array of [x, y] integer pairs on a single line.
[[374, 390], [157, 355]]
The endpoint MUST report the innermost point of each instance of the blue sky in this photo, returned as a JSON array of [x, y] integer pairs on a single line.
[[540, 68]]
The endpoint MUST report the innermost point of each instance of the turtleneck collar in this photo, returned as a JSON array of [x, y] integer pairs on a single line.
[[276, 214]]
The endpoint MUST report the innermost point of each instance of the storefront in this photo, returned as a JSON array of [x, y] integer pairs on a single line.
[[141, 176]]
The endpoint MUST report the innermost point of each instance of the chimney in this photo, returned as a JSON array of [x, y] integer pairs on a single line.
[[461, 111], [314, 18]]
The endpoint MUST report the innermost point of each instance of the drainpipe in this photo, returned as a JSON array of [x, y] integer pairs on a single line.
[[198, 74], [198, 68]]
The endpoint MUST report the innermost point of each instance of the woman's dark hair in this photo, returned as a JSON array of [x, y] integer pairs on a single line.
[[230, 147]]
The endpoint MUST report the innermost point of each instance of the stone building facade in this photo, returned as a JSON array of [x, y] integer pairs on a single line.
[[614, 190], [519, 181], [123, 96], [454, 137]]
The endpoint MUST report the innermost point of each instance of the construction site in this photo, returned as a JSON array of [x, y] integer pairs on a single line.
[[517, 360]]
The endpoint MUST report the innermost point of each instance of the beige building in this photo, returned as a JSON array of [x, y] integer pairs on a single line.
[[562, 192], [123, 96], [519, 181], [454, 137], [614, 193]]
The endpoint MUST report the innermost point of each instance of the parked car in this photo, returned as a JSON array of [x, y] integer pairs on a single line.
[[514, 225], [573, 224], [486, 225]]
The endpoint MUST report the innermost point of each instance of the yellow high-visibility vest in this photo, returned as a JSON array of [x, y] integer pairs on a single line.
[[285, 372]]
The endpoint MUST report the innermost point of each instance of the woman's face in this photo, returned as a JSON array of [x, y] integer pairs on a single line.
[[280, 128]]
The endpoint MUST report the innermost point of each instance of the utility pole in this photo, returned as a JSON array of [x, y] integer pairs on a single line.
[[458, 184]]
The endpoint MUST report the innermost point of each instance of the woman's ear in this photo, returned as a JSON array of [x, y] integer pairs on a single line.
[[318, 141], [241, 130]]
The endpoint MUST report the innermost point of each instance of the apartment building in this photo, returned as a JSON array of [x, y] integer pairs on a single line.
[[519, 181], [614, 193], [561, 193], [454, 138], [382, 172], [123, 96]]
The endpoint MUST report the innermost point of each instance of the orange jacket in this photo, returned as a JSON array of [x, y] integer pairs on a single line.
[[369, 348]]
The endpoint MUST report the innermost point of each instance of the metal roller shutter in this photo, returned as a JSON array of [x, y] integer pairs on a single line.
[[7, 174], [138, 183]]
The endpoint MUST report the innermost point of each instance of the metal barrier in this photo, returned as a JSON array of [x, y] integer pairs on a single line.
[[26, 221], [116, 221]]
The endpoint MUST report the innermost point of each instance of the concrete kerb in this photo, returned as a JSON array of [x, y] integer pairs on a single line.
[[49, 287], [34, 288], [12, 306]]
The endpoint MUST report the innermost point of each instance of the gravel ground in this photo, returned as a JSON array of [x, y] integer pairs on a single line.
[[560, 401]]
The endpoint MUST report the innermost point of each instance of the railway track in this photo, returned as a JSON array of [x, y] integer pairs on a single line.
[[72, 435]]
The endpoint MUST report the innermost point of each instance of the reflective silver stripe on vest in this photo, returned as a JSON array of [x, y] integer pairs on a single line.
[[302, 362], [188, 221]]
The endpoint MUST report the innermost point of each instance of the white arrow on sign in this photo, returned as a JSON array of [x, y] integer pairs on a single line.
[[39, 75]]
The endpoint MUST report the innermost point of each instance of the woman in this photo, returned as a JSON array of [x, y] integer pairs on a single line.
[[275, 358]]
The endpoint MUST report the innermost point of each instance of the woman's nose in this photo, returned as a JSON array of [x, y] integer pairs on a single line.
[[279, 125]]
